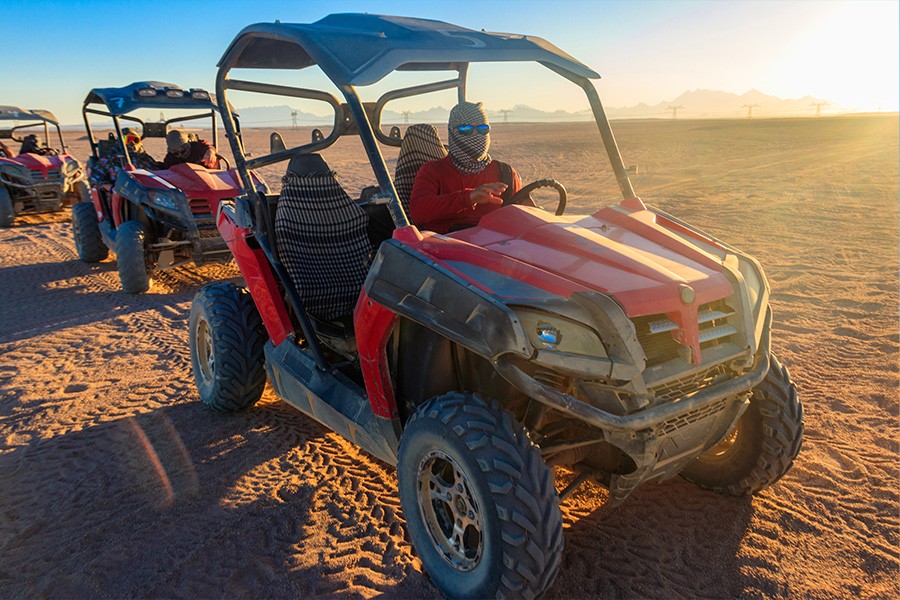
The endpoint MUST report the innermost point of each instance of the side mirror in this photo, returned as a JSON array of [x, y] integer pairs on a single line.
[[276, 143], [631, 170]]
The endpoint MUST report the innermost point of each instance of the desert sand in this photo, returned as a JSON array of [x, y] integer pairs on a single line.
[[115, 481]]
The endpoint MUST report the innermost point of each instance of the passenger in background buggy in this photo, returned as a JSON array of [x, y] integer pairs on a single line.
[[182, 149]]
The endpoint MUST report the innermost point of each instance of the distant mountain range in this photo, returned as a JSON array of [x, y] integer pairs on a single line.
[[692, 104]]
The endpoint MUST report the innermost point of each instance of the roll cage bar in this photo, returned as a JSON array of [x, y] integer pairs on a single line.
[[39, 118], [103, 97], [387, 44]]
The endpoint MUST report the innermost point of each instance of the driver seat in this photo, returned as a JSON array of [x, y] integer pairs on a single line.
[[421, 144], [322, 238]]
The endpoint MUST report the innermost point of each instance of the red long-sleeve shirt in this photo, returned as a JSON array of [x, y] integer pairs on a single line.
[[440, 195]]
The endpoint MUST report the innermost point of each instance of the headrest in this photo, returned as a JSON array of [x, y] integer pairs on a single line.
[[308, 164]]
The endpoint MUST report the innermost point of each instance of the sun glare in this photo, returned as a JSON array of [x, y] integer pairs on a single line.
[[850, 57]]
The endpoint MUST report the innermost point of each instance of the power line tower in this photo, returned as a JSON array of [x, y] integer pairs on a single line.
[[675, 110], [819, 106], [405, 114], [505, 112], [750, 108], [293, 119]]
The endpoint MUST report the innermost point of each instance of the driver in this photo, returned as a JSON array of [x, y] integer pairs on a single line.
[[32, 145], [5, 151], [456, 191]]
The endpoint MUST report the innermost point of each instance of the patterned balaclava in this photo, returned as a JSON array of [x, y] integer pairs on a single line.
[[177, 142], [469, 153]]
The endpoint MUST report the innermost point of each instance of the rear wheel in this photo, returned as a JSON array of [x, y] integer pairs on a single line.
[[763, 444], [479, 500], [227, 340], [131, 257], [7, 212], [86, 230]]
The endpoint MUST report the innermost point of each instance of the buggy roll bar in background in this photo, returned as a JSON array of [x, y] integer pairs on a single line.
[[115, 119]]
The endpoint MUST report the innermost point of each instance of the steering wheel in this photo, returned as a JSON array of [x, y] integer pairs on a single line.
[[224, 160], [523, 196]]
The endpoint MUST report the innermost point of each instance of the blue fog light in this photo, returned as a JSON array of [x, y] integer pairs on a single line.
[[548, 334]]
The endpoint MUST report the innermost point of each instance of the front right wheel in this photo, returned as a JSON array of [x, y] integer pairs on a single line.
[[763, 444], [479, 500]]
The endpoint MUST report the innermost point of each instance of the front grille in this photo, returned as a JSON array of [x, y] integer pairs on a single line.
[[199, 206], [209, 233], [683, 420], [654, 332], [681, 388], [37, 176]]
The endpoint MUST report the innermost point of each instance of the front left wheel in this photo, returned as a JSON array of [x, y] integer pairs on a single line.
[[227, 340], [131, 257], [7, 211], [479, 500], [86, 231]]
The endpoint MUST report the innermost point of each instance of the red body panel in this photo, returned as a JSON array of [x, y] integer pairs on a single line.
[[259, 279], [373, 324], [209, 187], [36, 162], [628, 256]]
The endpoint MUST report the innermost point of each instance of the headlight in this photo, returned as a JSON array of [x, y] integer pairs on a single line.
[[163, 201], [16, 172], [552, 332]]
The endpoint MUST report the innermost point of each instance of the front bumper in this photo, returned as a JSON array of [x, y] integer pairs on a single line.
[[660, 439], [40, 193]]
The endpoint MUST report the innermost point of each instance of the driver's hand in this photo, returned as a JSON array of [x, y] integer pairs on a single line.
[[489, 193]]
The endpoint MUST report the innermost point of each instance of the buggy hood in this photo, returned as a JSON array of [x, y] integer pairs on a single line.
[[621, 253]]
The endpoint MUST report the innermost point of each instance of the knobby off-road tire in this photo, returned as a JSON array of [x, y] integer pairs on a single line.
[[80, 192], [763, 445], [131, 258], [227, 340], [86, 231], [7, 211], [471, 449]]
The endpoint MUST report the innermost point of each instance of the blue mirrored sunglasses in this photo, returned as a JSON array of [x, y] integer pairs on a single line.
[[483, 129]]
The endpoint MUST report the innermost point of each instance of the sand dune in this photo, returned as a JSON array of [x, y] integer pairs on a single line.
[[117, 482]]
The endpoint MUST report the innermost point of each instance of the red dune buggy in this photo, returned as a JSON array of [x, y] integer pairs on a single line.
[[625, 345], [34, 177], [152, 218]]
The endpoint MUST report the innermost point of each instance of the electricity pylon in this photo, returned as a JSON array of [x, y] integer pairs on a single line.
[[749, 108], [819, 106], [675, 110]]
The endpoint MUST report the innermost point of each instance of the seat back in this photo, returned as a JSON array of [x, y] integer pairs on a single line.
[[322, 238], [421, 144]]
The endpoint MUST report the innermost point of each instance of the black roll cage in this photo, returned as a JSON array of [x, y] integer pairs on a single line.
[[151, 129], [9, 133]]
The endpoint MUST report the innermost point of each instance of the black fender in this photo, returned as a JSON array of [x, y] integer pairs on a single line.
[[418, 288]]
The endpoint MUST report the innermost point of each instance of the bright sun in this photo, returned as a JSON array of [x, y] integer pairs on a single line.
[[849, 57]]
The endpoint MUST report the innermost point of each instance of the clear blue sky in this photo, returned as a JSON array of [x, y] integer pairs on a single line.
[[646, 51]]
